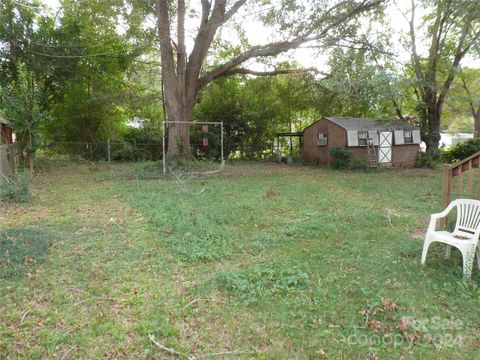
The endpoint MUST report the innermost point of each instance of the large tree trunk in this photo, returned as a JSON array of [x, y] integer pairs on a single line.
[[178, 135], [476, 124], [182, 76], [433, 116], [30, 151]]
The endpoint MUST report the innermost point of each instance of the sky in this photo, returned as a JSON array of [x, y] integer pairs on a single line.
[[257, 34]]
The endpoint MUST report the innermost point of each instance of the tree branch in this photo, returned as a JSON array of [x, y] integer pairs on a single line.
[[460, 53], [203, 41], [469, 95], [268, 73], [415, 59], [233, 10], [276, 48]]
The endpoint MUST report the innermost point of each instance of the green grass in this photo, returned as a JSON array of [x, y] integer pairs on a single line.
[[266, 260]]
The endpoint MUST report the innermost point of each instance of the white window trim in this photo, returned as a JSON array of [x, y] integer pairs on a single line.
[[361, 139], [322, 141], [405, 138]]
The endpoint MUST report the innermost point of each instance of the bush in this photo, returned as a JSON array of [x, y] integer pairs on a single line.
[[125, 151], [462, 150], [430, 159], [16, 188], [360, 164], [425, 160], [341, 158]]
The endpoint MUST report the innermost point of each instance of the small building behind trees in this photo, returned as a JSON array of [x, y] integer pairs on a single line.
[[374, 142], [9, 151], [6, 132]]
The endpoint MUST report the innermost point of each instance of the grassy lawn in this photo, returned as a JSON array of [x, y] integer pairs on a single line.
[[263, 261]]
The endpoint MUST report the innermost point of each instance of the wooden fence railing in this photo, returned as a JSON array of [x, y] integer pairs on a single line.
[[460, 180]]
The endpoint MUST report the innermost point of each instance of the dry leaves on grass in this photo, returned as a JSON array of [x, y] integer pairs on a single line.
[[389, 305], [271, 192], [404, 326]]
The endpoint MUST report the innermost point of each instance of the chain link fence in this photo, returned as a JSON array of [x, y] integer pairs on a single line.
[[103, 150]]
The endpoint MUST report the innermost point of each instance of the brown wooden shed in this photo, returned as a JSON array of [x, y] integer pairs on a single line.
[[380, 142]]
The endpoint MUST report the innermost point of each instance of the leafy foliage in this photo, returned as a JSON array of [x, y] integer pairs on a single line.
[[341, 158], [17, 187], [263, 281], [201, 247], [462, 150]]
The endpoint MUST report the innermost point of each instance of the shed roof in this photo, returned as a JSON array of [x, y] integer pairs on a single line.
[[366, 124]]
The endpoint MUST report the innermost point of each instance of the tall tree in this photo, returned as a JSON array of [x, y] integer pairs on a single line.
[[184, 75], [21, 104], [454, 30], [470, 79]]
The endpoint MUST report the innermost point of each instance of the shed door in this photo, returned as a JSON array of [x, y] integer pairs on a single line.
[[385, 147]]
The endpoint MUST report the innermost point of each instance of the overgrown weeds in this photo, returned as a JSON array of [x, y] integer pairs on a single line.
[[16, 187], [261, 281]]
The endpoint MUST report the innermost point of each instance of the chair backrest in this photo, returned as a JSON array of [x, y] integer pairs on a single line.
[[468, 215]]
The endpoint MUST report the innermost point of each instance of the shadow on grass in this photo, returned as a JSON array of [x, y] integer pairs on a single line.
[[22, 250]]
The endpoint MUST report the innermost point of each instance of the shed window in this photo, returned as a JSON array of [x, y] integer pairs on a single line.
[[407, 137], [322, 139], [362, 138]]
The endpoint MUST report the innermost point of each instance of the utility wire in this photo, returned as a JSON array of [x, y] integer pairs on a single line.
[[76, 56], [25, 5], [230, 22]]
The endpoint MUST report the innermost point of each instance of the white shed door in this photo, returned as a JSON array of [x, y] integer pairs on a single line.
[[385, 147]]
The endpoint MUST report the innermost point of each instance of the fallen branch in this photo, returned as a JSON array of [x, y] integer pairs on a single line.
[[24, 315], [389, 218], [234, 352], [167, 349], [68, 352], [97, 299]]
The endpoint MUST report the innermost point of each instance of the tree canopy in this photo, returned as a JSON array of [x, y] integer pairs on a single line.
[[88, 70]]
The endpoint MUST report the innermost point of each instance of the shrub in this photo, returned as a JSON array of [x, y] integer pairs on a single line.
[[124, 151], [16, 188], [360, 164], [425, 160], [341, 158], [462, 150]]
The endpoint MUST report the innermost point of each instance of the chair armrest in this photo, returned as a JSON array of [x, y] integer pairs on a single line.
[[435, 217]]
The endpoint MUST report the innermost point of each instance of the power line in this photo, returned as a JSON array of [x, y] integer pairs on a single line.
[[230, 22], [28, 6], [76, 56]]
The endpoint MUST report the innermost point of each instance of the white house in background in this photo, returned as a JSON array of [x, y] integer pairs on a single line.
[[136, 122], [450, 140]]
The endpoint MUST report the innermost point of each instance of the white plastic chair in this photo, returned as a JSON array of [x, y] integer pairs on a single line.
[[464, 237]]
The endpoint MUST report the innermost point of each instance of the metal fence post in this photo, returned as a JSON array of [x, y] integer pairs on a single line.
[[222, 163], [108, 150]]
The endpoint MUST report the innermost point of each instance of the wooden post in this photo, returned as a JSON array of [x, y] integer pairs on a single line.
[[445, 186], [460, 182], [108, 149], [470, 179], [446, 190], [478, 182]]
